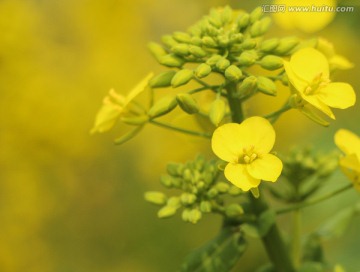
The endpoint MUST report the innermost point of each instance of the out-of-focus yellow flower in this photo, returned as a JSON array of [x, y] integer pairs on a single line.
[[115, 105], [305, 15], [308, 72], [335, 61], [349, 143], [246, 147]]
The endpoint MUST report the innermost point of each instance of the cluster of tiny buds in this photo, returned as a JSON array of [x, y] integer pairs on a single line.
[[201, 191]]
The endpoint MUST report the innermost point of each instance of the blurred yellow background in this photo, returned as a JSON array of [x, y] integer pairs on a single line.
[[74, 202]]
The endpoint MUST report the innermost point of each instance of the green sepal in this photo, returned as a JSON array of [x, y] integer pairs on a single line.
[[219, 254], [187, 103], [156, 50], [271, 63], [163, 106], [266, 86], [247, 58], [233, 73], [269, 45], [286, 45], [171, 60], [256, 14], [135, 120], [156, 198], [217, 111], [203, 70], [162, 80], [182, 77], [128, 136]]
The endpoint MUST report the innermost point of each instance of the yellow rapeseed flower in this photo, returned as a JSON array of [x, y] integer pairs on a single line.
[[115, 105], [246, 147], [349, 144], [308, 72], [305, 15]]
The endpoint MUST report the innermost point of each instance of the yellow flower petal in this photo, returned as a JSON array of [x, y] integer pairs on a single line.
[[348, 142], [313, 100], [308, 63], [106, 118], [350, 166], [225, 142], [296, 81], [237, 175], [268, 168], [258, 132], [339, 62], [337, 95], [140, 87]]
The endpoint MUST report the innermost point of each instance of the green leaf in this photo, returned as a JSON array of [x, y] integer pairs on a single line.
[[219, 254]]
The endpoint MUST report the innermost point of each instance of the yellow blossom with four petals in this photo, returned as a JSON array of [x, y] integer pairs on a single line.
[[246, 148], [308, 72], [349, 144]]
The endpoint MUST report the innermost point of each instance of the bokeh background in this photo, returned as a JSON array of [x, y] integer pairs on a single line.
[[74, 202]]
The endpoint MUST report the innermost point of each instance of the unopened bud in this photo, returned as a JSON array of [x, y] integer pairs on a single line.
[[156, 198], [217, 111], [173, 169], [243, 20], [271, 63], [205, 206], [181, 49], [234, 191], [187, 198], [234, 210], [163, 106], [222, 187], [248, 44], [269, 45], [266, 86], [162, 80], [212, 193], [233, 73], [187, 103], [171, 61], [169, 41], [256, 14], [213, 60], [223, 40], [166, 211], [156, 50], [259, 28], [174, 201], [188, 177], [202, 70], [182, 77], [196, 41], [247, 58], [236, 38], [166, 181], [197, 51], [247, 86], [182, 37], [208, 41], [222, 64], [194, 216], [226, 14], [286, 45]]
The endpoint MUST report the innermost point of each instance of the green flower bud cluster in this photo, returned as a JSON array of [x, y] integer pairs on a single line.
[[200, 191], [304, 173]]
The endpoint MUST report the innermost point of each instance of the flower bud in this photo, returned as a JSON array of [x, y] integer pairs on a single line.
[[187, 103], [247, 58], [162, 80], [233, 73], [135, 120], [205, 206], [196, 41], [213, 60], [212, 193], [248, 44], [256, 14], [202, 70], [233, 210], [215, 21], [259, 28], [247, 86], [156, 198], [223, 40], [222, 187], [182, 37], [181, 49], [185, 215], [162, 107], [222, 64], [208, 41], [166, 211], [234, 191], [188, 177], [271, 63], [187, 198], [174, 169], [156, 50], [286, 45], [182, 77], [226, 14], [266, 86], [197, 51], [236, 38], [174, 201], [166, 181], [168, 41], [171, 61], [194, 216], [269, 45], [243, 20], [217, 111]]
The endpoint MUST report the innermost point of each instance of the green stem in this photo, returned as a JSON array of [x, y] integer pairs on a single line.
[[296, 238], [313, 201], [276, 114], [272, 240], [182, 130]]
